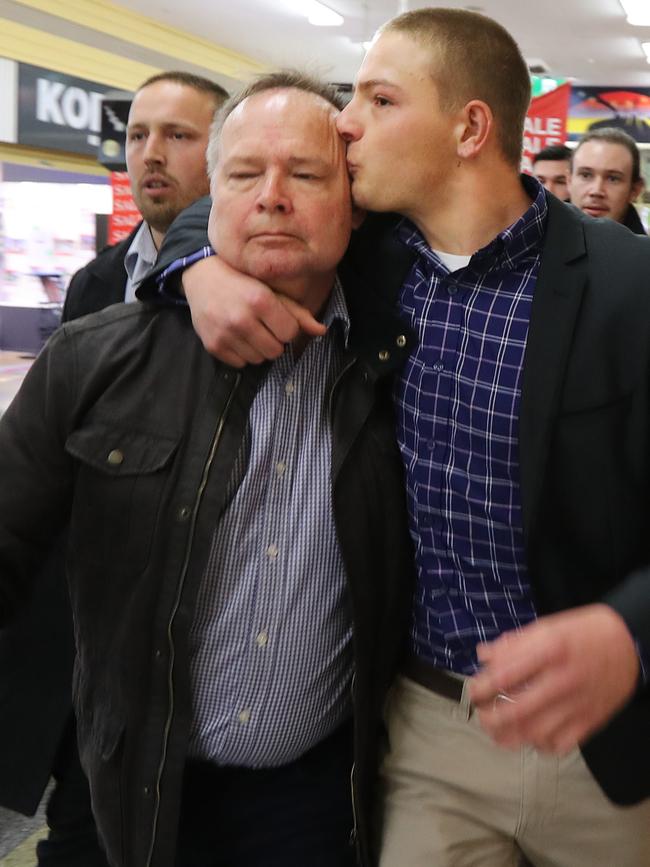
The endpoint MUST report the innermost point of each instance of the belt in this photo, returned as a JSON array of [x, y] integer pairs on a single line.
[[435, 679]]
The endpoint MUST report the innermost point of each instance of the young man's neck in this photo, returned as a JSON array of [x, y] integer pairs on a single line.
[[474, 208]]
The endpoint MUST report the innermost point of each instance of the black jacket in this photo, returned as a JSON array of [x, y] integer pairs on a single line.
[[100, 283], [633, 221], [584, 434], [37, 651], [128, 429]]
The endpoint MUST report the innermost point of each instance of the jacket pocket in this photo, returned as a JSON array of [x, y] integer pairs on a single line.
[[119, 481]]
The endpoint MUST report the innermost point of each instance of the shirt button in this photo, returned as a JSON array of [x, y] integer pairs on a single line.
[[262, 638], [115, 457], [272, 551], [452, 289], [438, 366], [431, 444], [184, 513], [401, 341], [280, 467], [244, 715], [289, 388]]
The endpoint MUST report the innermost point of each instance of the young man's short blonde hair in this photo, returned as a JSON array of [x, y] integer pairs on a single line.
[[473, 57]]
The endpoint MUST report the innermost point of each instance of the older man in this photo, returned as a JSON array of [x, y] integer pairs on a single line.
[[229, 532]]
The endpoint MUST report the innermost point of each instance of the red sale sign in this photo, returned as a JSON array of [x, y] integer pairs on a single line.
[[545, 123], [125, 214]]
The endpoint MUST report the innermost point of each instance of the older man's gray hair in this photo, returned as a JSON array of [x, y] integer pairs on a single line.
[[281, 80]]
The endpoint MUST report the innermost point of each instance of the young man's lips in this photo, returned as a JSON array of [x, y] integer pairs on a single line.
[[594, 211], [154, 186]]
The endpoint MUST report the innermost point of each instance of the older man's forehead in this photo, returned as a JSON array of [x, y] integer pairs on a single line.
[[280, 119]]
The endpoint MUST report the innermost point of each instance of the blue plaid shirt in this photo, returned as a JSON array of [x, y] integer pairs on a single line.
[[458, 419]]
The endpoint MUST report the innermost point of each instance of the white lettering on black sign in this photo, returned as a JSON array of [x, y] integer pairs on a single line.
[[68, 106]]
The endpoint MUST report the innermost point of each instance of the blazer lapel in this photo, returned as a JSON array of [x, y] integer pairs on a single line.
[[556, 304]]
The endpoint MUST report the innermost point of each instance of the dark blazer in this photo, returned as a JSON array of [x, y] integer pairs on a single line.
[[37, 651], [584, 441]]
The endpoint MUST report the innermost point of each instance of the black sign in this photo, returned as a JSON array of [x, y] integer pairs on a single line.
[[115, 114], [57, 111]]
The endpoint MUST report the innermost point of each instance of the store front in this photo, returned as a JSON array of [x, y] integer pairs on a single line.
[[55, 196]]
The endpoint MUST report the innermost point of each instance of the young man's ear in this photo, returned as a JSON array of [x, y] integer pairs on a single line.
[[474, 128]]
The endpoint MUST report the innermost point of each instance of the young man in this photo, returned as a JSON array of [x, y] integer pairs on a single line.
[[168, 128], [523, 421], [229, 532], [552, 168], [606, 177]]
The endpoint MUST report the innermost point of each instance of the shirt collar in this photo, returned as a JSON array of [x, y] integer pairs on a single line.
[[336, 310], [141, 254], [515, 242]]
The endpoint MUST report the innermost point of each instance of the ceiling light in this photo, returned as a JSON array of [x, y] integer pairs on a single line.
[[321, 15], [637, 11], [646, 48]]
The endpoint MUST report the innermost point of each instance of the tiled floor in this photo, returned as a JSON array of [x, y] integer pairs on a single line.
[[18, 838]]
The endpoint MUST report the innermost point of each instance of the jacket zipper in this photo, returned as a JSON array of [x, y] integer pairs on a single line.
[[170, 680], [353, 794], [354, 836]]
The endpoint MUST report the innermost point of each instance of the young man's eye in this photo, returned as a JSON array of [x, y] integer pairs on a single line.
[[614, 179], [381, 101], [136, 136]]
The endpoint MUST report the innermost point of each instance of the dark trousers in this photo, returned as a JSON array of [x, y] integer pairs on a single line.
[[298, 815], [72, 839]]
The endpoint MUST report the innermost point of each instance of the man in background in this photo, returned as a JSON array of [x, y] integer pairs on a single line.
[[606, 177], [552, 168], [167, 135]]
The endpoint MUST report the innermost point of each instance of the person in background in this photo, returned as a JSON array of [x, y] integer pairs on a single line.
[[606, 177], [520, 721], [552, 168], [238, 541], [168, 128]]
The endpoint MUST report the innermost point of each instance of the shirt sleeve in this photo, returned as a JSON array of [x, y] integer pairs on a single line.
[[167, 283]]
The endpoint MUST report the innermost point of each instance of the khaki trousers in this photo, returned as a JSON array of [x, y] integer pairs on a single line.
[[452, 798]]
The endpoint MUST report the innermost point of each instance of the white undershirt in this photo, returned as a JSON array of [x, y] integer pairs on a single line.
[[453, 262]]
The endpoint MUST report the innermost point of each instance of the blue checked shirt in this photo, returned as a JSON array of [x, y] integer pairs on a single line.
[[458, 418], [271, 641]]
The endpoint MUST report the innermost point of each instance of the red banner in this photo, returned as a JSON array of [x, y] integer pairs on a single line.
[[545, 124], [125, 213]]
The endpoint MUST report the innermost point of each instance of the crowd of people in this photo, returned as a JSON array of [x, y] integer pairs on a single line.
[[353, 514]]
